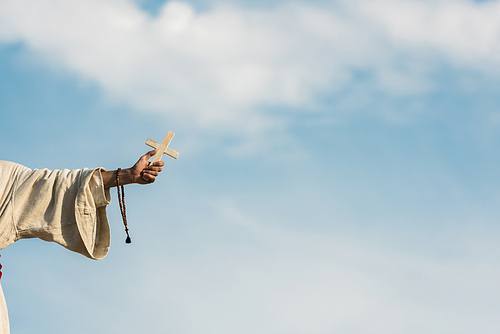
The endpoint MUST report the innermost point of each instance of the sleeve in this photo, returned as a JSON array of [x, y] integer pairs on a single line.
[[63, 206]]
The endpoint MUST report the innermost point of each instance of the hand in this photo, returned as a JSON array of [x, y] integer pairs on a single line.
[[144, 173]]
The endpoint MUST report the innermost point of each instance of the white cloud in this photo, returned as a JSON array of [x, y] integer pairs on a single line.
[[462, 30], [219, 67]]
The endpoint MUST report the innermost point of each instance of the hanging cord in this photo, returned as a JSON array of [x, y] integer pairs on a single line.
[[121, 201]]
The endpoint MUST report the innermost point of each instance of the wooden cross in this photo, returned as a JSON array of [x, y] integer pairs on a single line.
[[163, 147]]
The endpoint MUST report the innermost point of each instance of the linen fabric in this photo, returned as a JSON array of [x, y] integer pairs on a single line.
[[63, 206]]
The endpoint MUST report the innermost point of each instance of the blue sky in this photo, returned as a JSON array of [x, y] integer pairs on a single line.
[[338, 166]]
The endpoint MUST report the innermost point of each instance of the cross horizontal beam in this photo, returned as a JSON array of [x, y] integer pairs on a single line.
[[168, 150]]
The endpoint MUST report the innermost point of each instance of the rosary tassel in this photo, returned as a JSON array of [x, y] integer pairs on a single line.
[[121, 201], [128, 240]]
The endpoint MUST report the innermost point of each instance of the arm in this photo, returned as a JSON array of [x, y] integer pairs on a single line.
[[138, 173]]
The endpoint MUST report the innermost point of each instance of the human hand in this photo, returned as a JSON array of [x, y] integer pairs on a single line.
[[145, 173], [142, 172]]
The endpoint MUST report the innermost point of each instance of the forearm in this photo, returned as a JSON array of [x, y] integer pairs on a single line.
[[109, 177]]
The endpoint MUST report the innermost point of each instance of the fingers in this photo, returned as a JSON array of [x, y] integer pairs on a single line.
[[148, 178], [149, 174], [148, 171], [157, 164], [155, 167]]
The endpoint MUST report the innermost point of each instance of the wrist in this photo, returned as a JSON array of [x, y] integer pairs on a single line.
[[126, 176]]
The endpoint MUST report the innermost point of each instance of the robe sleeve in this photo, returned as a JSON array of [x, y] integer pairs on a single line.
[[63, 206]]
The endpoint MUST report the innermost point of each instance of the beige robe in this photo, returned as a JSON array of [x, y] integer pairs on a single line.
[[64, 206]]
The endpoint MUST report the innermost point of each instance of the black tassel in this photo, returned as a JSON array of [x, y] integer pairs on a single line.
[[128, 240]]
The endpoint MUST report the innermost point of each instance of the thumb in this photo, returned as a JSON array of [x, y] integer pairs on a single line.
[[150, 154]]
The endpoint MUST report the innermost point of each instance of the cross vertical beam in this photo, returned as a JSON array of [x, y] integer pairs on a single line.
[[163, 147]]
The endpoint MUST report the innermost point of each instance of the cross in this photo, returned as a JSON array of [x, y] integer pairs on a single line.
[[163, 147]]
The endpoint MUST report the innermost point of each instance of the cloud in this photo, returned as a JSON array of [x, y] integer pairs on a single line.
[[222, 68], [464, 31]]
